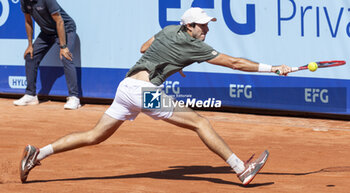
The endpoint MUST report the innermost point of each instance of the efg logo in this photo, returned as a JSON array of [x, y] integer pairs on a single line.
[[232, 24], [11, 20], [241, 91]]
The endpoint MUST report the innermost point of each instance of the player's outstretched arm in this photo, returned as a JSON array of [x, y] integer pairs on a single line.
[[247, 65]]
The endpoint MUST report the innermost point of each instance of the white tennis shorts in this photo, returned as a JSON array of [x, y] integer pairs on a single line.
[[128, 101]]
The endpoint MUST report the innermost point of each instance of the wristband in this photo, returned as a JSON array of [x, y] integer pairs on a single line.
[[64, 46], [264, 67]]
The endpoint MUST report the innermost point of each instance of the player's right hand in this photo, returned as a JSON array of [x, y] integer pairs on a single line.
[[29, 50], [282, 70]]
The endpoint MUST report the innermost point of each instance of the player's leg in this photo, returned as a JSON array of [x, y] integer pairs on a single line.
[[187, 118], [115, 115], [102, 131]]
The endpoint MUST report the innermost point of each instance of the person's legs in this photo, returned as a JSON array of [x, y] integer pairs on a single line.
[[121, 109], [69, 66], [102, 131], [187, 118], [70, 72], [41, 46]]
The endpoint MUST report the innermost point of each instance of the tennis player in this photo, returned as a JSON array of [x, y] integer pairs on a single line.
[[166, 53]]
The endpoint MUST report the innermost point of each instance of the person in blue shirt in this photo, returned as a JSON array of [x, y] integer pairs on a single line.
[[57, 27]]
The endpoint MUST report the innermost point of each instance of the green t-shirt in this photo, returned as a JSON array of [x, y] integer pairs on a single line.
[[171, 51]]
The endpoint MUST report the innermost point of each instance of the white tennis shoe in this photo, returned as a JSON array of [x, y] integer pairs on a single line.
[[252, 168], [72, 103], [28, 162], [26, 100]]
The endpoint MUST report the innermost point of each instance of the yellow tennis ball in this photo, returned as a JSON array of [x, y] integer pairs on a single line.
[[312, 66]]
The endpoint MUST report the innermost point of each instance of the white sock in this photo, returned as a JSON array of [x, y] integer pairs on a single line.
[[236, 164], [45, 151]]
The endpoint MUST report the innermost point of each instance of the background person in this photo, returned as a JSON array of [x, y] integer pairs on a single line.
[[57, 27]]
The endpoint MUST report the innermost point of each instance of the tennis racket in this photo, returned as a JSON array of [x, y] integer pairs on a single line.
[[321, 64]]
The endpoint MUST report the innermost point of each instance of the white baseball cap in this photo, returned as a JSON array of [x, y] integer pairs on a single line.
[[196, 15]]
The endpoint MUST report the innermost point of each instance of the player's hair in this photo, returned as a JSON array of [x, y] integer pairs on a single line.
[[184, 27]]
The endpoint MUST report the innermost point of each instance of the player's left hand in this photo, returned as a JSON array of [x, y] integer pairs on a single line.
[[282, 70], [66, 53]]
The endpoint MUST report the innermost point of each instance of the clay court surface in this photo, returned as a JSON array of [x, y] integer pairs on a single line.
[[306, 155]]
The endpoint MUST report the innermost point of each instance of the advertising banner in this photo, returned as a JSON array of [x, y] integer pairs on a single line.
[[291, 32]]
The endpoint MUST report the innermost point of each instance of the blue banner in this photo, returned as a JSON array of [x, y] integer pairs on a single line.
[[292, 32]]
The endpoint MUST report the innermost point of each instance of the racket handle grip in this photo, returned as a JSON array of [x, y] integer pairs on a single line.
[[295, 69], [292, 70]]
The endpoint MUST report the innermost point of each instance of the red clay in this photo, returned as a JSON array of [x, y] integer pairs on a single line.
[[309, 155]]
